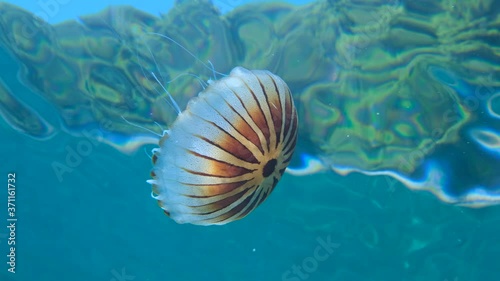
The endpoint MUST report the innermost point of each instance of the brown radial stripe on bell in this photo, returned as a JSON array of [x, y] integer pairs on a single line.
[[257, 114], [252, 205], [210, 190], [230, 144], [291, 139], [266, 193], [272, 114], [220, 168], [289, 110], [276, 115], [240, 125], [220, 204], [234, 210]]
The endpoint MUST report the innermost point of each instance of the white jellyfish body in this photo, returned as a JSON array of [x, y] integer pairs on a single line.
[[226, 152]]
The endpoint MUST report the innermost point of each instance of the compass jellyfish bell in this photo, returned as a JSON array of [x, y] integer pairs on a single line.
[[225, 153]]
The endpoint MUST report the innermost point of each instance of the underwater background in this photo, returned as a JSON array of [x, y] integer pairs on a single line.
[[399, 107]]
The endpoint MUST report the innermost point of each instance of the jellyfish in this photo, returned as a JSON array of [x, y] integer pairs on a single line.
[[225, 153]]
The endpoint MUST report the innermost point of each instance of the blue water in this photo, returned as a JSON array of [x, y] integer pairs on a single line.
[[98, 222]]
